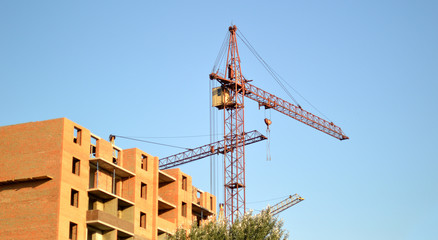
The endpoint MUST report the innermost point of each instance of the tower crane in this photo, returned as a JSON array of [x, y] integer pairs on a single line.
[[230, 97]]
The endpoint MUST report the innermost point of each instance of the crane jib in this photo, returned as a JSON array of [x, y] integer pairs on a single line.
[[285, 204], [271, 101], [209, 150]]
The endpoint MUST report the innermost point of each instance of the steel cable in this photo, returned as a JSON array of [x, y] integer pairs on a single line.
[[277, 77]]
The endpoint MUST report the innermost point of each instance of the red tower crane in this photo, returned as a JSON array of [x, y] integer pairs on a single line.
[[231, 99]]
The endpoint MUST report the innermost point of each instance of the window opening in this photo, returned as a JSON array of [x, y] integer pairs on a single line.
[[144, 189], [73, 232], [142, 220], [184, 209], [116, 154], [74, 198], [184, 183], [144, 162], [198, 196], [93, 147], [211, 203], [76, 166], [77, 132]]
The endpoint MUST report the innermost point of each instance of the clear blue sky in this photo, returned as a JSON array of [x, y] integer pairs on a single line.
[[140, 68]]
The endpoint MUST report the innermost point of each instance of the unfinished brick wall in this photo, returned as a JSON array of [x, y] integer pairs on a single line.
[[48, 183], [30, 208]]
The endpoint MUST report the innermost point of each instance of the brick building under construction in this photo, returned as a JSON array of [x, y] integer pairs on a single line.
[[59, 181]]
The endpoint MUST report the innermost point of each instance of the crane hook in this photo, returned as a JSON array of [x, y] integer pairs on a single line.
[[268, 143], [268, 122]]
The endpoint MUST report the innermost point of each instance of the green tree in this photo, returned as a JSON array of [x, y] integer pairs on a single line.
[[248, 227]]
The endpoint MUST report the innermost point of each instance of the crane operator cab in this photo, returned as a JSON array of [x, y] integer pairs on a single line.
[[220, 97]]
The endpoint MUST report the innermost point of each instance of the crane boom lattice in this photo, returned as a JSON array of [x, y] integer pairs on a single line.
[[285, 204], [271, 101], [208, 150]]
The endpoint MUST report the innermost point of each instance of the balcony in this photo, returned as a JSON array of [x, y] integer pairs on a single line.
[[164, 226], [165, 178], [199, 210], [105, 222], [165, 205], [102, 194], [102, 163]]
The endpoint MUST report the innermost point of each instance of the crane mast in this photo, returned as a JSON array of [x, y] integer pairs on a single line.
[[234, 129]]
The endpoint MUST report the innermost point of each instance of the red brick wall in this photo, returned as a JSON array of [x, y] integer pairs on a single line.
[[29, 210]]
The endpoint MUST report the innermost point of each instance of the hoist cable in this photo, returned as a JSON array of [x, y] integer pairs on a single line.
[[221, 53], [305, 99], [268, 200], [266, 66], [276, 76], [162, 144], [189, 136]]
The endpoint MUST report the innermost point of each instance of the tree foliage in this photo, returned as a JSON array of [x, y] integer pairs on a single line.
[[255, 227]]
